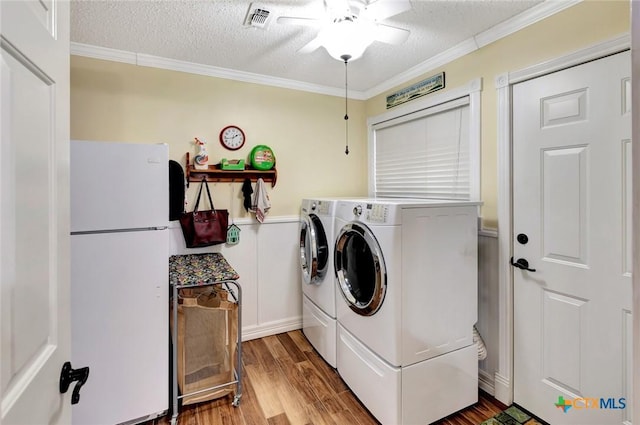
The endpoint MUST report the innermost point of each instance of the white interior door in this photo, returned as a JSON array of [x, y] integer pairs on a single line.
[[572, 200], [34, 211]]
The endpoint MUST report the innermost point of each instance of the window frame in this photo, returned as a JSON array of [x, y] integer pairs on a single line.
[[417, 108]]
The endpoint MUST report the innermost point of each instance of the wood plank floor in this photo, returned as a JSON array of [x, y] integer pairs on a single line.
[[285, 381]]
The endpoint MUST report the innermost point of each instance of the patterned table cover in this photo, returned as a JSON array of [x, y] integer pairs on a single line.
[[199, 269]]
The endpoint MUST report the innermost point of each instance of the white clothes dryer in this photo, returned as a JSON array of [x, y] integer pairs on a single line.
[[406, 274], [318, 276]]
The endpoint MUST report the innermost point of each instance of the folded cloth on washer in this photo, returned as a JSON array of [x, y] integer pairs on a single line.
[[261, 202]]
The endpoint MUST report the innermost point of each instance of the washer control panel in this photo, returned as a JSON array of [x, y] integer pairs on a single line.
[[376, 213], [320, 207]]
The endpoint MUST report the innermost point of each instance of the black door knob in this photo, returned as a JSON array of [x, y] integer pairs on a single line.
[[522, 264], [69, 375], [522, 238]]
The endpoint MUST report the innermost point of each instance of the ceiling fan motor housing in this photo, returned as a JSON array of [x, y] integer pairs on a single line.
[[349, 33]]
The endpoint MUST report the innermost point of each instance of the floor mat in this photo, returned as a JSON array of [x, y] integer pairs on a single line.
[[513, 415]]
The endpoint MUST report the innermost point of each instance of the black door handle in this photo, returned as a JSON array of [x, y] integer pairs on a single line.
[[68, 375], [521, 263]]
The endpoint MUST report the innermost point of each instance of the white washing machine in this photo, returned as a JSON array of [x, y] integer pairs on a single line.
[[406, 275], [318, 276]]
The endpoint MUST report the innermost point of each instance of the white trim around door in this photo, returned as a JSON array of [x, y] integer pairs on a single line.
[[504, 82], [635, 135]]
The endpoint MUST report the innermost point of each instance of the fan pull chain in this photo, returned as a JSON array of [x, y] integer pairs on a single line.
[[346, 58]]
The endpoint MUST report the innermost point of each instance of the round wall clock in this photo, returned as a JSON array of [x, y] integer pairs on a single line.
[[232, 137]]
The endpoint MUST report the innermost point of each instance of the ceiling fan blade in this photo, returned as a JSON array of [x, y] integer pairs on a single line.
[[391, 35], [311, 46], [337, 8], [382, 9], [307, 22]]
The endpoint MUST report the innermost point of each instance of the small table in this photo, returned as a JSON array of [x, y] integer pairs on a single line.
[[197, 270]]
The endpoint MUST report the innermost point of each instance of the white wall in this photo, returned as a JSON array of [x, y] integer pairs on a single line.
[[267, 261]]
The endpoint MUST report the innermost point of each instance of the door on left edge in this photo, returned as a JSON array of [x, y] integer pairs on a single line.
[[34, 211]]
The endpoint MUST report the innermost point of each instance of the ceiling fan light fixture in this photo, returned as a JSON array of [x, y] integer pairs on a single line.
[[347, 37]]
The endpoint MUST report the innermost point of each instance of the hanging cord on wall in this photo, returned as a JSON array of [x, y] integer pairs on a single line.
[[346, 58]]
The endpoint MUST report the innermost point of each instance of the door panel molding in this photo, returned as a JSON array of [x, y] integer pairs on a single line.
[[504, 83], [627, 208], [564, 209]]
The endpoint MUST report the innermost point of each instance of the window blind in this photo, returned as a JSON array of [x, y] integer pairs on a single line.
[[424, 154]]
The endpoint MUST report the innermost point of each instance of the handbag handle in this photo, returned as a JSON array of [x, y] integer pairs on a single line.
[[203, 183]]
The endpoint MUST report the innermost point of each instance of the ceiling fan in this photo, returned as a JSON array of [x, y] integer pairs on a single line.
[[350, 26]]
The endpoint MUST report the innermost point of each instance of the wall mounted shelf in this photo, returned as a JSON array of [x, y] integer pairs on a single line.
[[215, 175]]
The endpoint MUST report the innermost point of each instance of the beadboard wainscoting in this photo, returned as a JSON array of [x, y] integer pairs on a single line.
[[488, 306], [267, 261]]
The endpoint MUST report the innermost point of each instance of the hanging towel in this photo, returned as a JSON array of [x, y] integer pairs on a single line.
[[261, 203], [247, 190]]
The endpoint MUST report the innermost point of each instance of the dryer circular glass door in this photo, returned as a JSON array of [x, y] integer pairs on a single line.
[[360, 269], [314, 249]]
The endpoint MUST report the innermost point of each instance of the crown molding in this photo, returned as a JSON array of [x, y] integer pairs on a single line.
[[141, 59], [523, 20], [529, 17], [461, 49], [103, 53], [518, 22]]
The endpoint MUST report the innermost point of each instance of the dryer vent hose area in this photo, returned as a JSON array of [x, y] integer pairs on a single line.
[[482, 349]]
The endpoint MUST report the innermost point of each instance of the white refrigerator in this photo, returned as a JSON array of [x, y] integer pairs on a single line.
[[119, 280]]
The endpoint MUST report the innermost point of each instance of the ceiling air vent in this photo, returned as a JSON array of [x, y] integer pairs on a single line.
[[257, 16]]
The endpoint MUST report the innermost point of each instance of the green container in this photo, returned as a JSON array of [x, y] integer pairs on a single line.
[[262, 158], [232, 164]]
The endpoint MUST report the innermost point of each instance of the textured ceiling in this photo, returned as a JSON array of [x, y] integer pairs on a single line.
[[212, 32]]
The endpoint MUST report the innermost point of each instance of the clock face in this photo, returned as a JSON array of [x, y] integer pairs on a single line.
[[232, 137]]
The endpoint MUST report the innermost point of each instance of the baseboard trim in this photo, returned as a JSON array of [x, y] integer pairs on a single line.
[[486, 383], [271, 328], [488, 233], [503, 391]]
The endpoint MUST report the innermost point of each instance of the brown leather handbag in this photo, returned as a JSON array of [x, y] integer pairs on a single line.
[[204, 228]]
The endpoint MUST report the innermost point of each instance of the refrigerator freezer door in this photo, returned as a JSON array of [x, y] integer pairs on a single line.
[[119, 310], [118, 186]]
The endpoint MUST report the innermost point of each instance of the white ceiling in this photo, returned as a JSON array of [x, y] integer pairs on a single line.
[[212, 33]]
